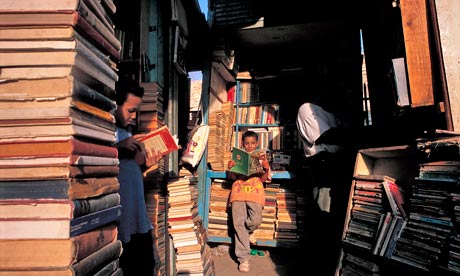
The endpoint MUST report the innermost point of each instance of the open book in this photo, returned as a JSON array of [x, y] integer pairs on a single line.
[[160, 141], [246, 163]]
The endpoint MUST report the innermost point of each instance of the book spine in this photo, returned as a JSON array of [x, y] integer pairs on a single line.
[[93, 97], [85, 28], [95, 67], [89, 242], [91, 187], [102, 257], [93, 220], [90, 205], [55, 189], [92, 149], [92, 19]]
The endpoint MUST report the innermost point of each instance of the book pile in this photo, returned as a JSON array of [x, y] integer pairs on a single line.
[[59, 191], [219, 217], [186, 230], [216, 140], [266, 230], [286, 215], [155, 202], [354, 265], [430, 238], [151, 117], [377, 214]]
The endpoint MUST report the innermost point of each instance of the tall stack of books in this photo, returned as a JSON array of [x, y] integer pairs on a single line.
[[59, 191], [186, 230], [216, 146], [219, 218], [286, 215], [266, 230], [150, 118]]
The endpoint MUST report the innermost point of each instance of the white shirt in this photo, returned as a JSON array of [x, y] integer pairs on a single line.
[[312, 122]]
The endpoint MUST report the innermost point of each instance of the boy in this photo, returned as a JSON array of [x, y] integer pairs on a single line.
[[134, 230], [247, 201]]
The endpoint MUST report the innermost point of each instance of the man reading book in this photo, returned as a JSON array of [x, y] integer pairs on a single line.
[[247, 200], [134, 229]]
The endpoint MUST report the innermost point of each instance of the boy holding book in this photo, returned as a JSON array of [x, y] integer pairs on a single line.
[[134, 229], [247, 200]]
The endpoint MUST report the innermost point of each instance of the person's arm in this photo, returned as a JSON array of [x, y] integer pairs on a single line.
[[266, 167], [128, 148]]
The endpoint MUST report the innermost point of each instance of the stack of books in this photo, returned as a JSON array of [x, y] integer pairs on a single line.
[[219, 217], [186, 230], [286, 215], [266, 230], [59, 190]]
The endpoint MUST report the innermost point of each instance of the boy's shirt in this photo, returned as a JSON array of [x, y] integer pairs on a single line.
[[248, 190]]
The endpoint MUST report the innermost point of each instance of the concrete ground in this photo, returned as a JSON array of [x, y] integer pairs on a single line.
[[275, 262]]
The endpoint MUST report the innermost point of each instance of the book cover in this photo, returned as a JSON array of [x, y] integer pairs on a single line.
[[246, 163], [160, 140], [69, 188], [395, 196]]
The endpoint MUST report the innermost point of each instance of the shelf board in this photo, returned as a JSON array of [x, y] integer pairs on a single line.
[[275, 174]]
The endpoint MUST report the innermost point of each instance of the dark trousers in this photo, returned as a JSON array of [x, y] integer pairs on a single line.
[[137, 258]]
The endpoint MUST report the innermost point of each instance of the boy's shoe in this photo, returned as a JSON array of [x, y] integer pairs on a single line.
[[252, 238], [244, 266]]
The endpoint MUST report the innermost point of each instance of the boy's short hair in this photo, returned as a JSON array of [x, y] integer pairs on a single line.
[[250, 133], [125, 86]]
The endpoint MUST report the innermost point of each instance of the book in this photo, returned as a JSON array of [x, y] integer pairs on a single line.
[[99, 259], [32, 161], [16, 17], [245, 163], [61, 33], [56, 146], [56, 227], [395, 196], [90, 205], [54, 89], [56, 172], [159, 140], [55, 127], [54, 253], [93, 220], [81, 56], [69, 188]]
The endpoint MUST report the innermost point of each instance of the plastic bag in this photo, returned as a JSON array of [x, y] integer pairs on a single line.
[[196, 145]]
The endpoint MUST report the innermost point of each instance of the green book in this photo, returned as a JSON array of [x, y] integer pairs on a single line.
[[246, 163]]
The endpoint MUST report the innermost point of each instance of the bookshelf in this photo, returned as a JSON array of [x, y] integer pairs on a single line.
[[246, 112], [422, 241]]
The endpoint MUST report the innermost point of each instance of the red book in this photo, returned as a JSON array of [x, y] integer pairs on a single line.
[[159, 140]]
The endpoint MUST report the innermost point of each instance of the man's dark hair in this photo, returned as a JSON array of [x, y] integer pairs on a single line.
[[126, 86], [250, 133]]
